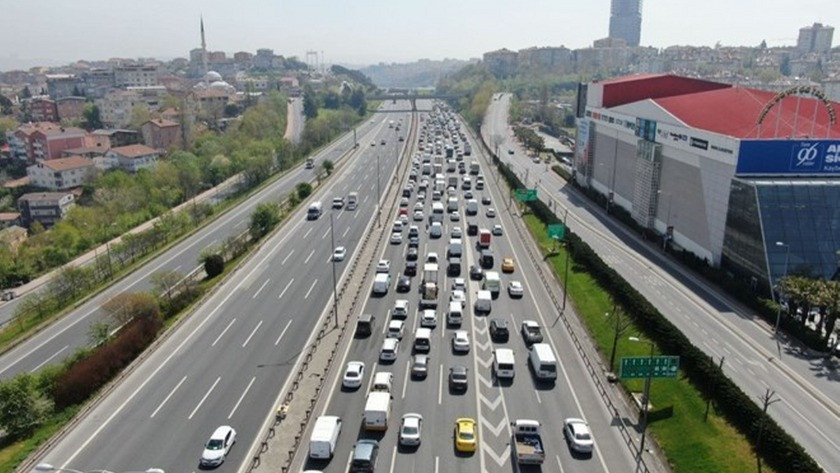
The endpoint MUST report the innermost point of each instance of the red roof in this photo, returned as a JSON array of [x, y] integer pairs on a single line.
[[629, 89], [734, 111]]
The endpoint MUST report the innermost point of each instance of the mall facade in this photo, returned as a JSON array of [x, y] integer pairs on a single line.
[[747, 179]]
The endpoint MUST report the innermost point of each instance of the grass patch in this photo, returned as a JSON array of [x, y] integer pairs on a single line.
[[13, 453], [690, 444]]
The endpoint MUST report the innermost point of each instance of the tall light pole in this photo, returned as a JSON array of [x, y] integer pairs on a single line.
[[779, 301], [646, 394], [335, 282], [566, 271], [48, 467], [378, 197]]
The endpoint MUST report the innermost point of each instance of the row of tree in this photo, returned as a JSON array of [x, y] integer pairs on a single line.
[[805, 294]]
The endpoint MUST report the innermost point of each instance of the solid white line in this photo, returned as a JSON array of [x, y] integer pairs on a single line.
[[168, 396], [440, 385], [260, 289], [393, 458], [343, 235], [437, 463], [538, 396], [287, 257], [41, 365], [285, 288], [325, 234], [241, 397], [208, 246], [204, 398], [370, 379], [307, 233], [223, 332], [306, 261], [310, 289], [405, 381], [252, 334], [283, 333], [559, 465]]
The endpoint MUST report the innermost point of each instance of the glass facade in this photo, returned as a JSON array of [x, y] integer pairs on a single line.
[[804, 215]]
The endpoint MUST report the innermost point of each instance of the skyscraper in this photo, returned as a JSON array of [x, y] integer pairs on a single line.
[[816, 38], [626, 20]]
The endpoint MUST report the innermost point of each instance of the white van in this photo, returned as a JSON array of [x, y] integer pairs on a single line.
[[382, 382], [437, 208], [492, 282], [452, 204], [324, 437], [456, 313], [314, 211], [503, 363], [423, 340], [472, 207], [482, 301], [381, 283], [377, 411], [542, 361]]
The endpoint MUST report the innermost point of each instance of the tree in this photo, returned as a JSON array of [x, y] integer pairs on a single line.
[[310, 104], [5, 105], [26, 93], [165, 281], [303, 190], [328, 166], [214, 264], [264, 218], [332, 100], [128, 306], [23, 407], [93, 119], [140, 114]]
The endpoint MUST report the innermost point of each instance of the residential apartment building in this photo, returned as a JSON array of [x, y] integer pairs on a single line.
[[39, 109], [43, 140], [161, 134], [816, 38], [136, 75], [130, 158], [70, 109], [115, 108], [63, 85], [62, 173], [114, 137], [501, 63], [626, 20], [46, 208]]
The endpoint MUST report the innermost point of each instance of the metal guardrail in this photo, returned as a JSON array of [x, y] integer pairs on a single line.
[[590, 368]]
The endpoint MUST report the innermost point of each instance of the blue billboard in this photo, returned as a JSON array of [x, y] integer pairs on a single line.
[[809, 157]]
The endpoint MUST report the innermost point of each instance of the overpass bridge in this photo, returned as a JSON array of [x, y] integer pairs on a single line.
[[412, 98]]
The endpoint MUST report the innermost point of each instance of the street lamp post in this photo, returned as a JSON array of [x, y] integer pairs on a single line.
[[779, 301], [566, 270], [49, 467], [646, 394], [378, 197], [335, 283]]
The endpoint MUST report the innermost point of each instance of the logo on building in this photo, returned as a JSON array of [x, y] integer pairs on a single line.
[[805, 156]]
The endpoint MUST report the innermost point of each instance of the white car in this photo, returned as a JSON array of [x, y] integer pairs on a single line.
[[578, 435], [396, 238], [404, 202], [383, 266], [418, 206], [435, 230], [396, 328], [491, 212], [218, 447], [454, 217], [456, 233], [339, 253], [459, 284], [353, 375], [410, 429], [497, 230], [389, 349], [428, 318], [431, 257], [400, 309], [460, 341], [515, 289], [418, 215], [458, 296]]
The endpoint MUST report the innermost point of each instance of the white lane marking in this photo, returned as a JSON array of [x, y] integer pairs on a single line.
[[232, 411], [223, 332], [307, 233], [168, 396], [370, 380], [207, 246], [343, 235], [437, 463], [287, 257], [559, 465], [538, 396], [283, 333], [440, 385], [252, 334], [393, 458], [286, 288], [204, 398], [306, 261], [260, 289], [325, 234], [41, 365], [405, 381], [310, 289]]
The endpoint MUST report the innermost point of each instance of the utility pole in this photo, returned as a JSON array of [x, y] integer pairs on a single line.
[[335, 282]]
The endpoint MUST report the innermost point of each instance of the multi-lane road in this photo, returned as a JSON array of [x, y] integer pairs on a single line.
[[493, 404], [227, 362], [805, 383]]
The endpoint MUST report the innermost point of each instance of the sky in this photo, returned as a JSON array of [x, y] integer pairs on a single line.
[[362, 32]]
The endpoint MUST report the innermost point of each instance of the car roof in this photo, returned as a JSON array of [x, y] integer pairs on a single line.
[[459, 369], [389, 341], [499, 322], [221, 431]]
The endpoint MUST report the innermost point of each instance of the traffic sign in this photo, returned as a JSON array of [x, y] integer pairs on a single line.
[[556, 231], [526, 195], [635, 367]]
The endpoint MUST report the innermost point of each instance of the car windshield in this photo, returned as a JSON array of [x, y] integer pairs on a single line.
[[467, 435], [582, 436], [459, 376], [409, 430], [215, 444]]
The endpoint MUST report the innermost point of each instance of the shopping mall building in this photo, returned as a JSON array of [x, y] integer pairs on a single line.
[[747, 179]]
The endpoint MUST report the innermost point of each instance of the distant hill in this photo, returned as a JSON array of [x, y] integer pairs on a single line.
[[423, 73]]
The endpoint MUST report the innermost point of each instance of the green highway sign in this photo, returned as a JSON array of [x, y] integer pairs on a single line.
[[556, 231], [526, 195], [635, 367]]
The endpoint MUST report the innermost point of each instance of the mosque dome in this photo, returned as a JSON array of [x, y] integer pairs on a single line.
[[212, 76]]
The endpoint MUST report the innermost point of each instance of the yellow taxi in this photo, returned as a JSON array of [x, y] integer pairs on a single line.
[[466, 435], [507, 265]]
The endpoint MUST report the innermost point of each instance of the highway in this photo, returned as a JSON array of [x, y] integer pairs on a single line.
[[806, 385], [493, 403], [228, 361], [65, 336]]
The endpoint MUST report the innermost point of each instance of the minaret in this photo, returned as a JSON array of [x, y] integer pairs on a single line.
[[203, 48]]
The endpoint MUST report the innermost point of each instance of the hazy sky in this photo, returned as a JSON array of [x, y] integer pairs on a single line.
[[360, 32]]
